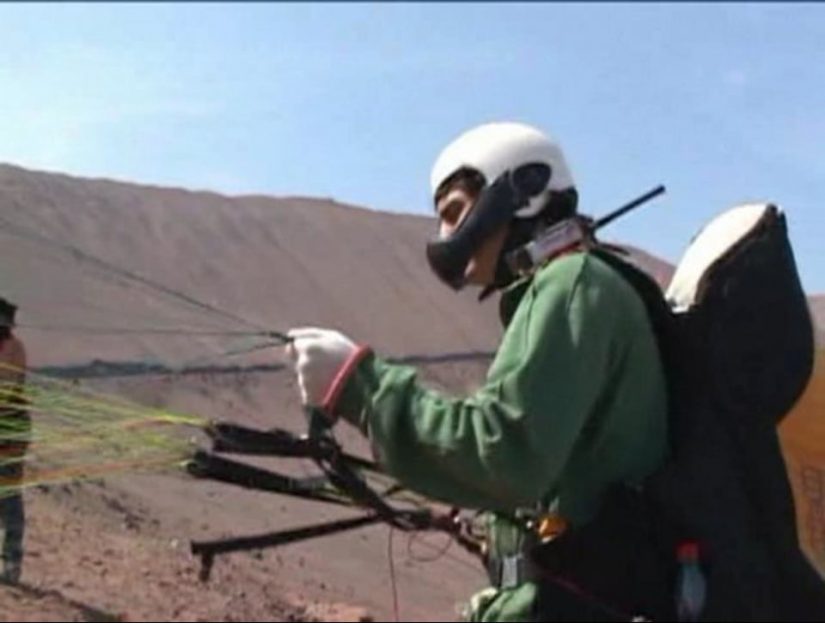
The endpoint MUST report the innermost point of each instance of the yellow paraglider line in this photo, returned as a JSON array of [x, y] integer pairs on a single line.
[[77, 433], [74, 433], [83, 472]]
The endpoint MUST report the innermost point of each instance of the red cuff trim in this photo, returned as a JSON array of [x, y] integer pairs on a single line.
[[341, 378]]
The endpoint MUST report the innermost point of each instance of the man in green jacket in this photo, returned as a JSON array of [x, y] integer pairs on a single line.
[[574, 402]]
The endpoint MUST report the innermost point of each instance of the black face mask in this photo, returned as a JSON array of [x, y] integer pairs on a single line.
[[494, 208]]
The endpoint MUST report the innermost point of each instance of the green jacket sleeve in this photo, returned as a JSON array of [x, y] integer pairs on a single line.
[[506, 446]]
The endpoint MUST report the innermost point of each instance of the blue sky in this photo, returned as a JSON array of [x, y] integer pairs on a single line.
[[723, 104]]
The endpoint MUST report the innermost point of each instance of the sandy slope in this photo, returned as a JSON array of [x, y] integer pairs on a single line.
[[277, 263]]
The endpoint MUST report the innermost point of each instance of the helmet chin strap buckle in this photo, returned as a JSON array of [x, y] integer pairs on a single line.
[[575, 232], [560, 238]]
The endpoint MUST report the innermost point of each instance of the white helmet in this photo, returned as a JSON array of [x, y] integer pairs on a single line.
[[493, 149]]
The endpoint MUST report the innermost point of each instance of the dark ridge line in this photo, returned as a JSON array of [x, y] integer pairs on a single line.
[[99, 369]]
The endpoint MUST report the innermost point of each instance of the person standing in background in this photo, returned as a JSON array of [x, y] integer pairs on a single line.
[[15, 427]]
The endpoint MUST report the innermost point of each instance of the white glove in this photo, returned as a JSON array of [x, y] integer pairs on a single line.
[[318, 356]]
